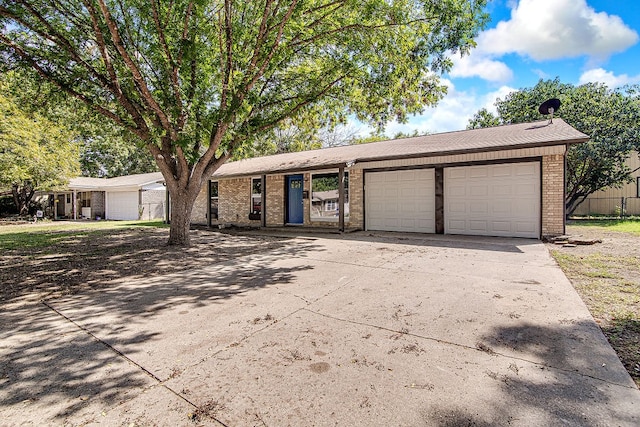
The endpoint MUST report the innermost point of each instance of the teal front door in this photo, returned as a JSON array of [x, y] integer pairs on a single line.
[[295, 208]]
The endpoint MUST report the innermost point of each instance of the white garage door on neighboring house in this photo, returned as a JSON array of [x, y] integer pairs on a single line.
[[122, 205], [493, 200], [400, 200]]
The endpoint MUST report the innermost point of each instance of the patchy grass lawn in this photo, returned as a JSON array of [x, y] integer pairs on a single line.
[[51, 233], [49, 259], [626, 225], [607, 277]]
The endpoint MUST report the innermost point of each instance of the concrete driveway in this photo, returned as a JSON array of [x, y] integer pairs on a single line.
[[361, 329]]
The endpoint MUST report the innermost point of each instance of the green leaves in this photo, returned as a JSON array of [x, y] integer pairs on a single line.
[[35, 154]]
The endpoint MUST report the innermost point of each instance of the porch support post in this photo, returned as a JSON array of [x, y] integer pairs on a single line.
[[341, 198], [439, 176], [168, 207], [263, 202], [74, 205], [209, 203]]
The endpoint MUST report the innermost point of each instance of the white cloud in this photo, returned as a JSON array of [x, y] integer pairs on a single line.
[[489, 99], [483, 67], [545, 30], [599, 75], [553, 29]]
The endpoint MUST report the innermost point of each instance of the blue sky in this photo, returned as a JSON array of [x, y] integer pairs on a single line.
[[578, 41]]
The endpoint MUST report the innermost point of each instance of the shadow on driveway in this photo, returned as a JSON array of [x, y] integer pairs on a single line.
[[564, 381], [49, 363]]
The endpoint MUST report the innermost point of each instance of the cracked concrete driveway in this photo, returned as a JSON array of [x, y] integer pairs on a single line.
[[371, 330]]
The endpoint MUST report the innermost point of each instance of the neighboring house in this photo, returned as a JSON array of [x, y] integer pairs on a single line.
[[612, 201], [131, 197], [324, 205], [501, 181]]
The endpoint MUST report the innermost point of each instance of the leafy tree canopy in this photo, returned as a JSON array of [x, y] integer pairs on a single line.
[[610, 117], [35, 153], [106, 150], [196, 80]]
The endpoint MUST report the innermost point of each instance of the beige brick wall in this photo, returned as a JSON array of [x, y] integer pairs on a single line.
[[275, 200], [553, 195], [200, 208], [356, 199], [234, 202]]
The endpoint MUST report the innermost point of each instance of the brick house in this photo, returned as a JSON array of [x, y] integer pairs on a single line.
[[500, 181]]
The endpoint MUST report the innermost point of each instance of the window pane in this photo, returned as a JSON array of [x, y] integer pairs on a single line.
[[256, 205], [213, 186], [256, 186], [256, 196], [325, 196], [214, 208]]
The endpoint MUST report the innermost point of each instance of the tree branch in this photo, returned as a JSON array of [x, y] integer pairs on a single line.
[[167, 53], [141, 129], [145, 93]]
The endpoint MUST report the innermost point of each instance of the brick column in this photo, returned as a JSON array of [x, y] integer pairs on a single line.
[[553, 211], [275, 200], [356, 199]]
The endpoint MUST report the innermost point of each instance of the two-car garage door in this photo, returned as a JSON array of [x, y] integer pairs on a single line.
[[491, 200]]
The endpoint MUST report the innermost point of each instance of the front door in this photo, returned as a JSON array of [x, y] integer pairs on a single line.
[[295, 208]]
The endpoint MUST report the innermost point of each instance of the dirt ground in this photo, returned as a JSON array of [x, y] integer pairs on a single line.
[[95, 259], [607, 277]]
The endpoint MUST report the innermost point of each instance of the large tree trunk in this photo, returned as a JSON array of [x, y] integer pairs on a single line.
[[22, 196], [181, 202]]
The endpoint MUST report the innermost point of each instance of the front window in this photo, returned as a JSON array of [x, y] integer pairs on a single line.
[[256, 196], [85, 199], [213, 201], [325, 196]]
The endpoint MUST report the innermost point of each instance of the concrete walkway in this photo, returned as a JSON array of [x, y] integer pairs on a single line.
[[367, 330]]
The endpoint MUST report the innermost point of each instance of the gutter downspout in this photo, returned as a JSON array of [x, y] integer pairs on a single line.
[[341, 198]]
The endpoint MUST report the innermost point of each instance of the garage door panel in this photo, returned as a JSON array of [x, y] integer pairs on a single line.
[[501, 207], [478, 225], [478, 191], [524, 227], [501, 226], [527, 189], [526, 169], [500, 171], [496, 200], [478, 207], [458, 190], [501, 190], [457, 207], [400, 200], [478, 172]]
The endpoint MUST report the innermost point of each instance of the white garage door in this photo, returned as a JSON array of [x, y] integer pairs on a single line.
[[400, 200], [122, 205], [493, 200]]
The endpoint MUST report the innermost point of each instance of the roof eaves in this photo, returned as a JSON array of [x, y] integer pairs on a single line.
[[267, 171]]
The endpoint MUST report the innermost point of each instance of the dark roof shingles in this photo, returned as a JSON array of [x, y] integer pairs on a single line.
[[494, 138]]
